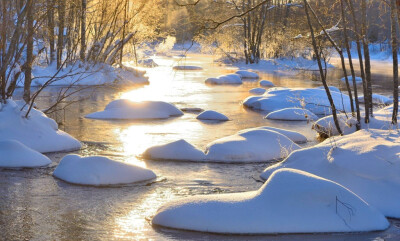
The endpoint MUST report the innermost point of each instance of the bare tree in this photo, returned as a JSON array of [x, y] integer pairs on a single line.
[[321, 69]]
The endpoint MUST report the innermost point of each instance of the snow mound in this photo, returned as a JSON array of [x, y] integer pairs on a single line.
[[230, 79], [82, 74], [99, 170], [253, 145], [178, 150], [291, 201], [126, 109], [266, 83], [14, 154], [247, 74], [257, 91], [350, 78], [377, 99], [187, 67], [292, 135], [366, 162], [150, 63], [292, 114], [331, 88], [312, 99], [37, 132], [381, 120], [212, 115]]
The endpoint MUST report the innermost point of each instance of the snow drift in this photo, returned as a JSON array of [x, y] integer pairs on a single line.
[[292, 114], [314, 100], [212, 115], [99, 170], [179, 150], [366, 162], [37, 132], [126, 109], [253, 145], [14, 154], [230, 79], [291, 201]]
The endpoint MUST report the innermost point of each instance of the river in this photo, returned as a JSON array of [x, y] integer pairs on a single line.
[[36, 206]]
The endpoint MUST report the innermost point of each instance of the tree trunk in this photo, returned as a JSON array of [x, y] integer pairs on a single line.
[[353, 75], [360, 58], [366, 56], [321, 70], [61, 24], [50, 23], [3, 49], [83, 30], [393, 18], [29, 52]]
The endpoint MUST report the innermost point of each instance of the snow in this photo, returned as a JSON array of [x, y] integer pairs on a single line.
[[37, 132], [282, 66], [366, 162], [350, 78], [126, 109], [331, 88], [292, 114], [14, 154], [247, 74], [257, 91], [230, 79], [312, 99], [99, 170], [253, 145], [187, 67], [330, 30], [291, 201], [82, 74], [179, 150], [266, 83], [150, 63], [377, 99], [212, 115], [292, 135], [381, 120]]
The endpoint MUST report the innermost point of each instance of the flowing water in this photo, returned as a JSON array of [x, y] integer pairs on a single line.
[[36, 206]]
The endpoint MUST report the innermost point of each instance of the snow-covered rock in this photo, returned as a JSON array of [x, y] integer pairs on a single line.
[[292, 114], [187, 67], [350, 78], [291, 201], [37, 132], [247, 74], [192, 109], [292, 135], [14, 154], [126, 109], [266, 83], [212, 115], [257, 91], [150, 63], [230, 79], [99, 170], [366, 162], [253, 145], [377, 99], [312, 99], [331, 88], [179, 150]]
